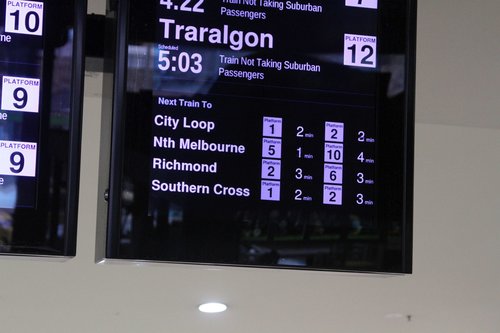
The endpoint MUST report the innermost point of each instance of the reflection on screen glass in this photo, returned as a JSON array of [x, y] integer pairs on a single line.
[[260, 132]]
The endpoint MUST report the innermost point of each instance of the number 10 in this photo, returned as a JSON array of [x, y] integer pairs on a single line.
[[23, 19]]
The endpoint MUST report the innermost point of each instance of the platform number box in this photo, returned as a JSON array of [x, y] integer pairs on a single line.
[[18, 158], [24, 17], [360, 50], [270, 190], [20, 94], [332, 195]]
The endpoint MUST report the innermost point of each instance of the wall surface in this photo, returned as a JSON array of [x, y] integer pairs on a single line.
[[455, 286]]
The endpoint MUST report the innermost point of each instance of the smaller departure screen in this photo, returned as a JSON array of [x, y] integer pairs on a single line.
[[253, 133], [21, 60], [40, 83]]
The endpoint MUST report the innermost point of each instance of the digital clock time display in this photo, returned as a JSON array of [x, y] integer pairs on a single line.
[[183, 61], [194, 6]]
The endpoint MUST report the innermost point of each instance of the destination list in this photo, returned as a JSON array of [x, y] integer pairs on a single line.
[[264, 112]]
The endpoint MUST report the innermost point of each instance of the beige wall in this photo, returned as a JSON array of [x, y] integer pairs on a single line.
[[456, 282]]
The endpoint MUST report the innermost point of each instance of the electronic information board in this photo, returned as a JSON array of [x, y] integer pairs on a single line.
[[264, 133], [40, 83]]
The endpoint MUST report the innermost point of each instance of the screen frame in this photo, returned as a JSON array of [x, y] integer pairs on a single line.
[[118, 15]]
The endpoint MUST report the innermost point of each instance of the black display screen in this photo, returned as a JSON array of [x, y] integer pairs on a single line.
[[264, 133], [40, 83]]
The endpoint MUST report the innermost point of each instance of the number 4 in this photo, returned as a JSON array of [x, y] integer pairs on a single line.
[[167, 3]]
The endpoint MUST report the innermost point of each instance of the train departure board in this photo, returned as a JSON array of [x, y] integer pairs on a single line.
[[40, 82], [263, 133]]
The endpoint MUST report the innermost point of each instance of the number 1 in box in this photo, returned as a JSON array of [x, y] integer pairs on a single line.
[[270, 190]]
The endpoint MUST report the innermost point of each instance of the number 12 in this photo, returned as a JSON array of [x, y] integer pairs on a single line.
[[367, 51]]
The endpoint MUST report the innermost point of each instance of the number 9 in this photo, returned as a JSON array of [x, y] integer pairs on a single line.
[[21, 96], [17, 161]]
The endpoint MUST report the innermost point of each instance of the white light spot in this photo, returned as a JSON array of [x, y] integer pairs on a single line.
[[212, 307]]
